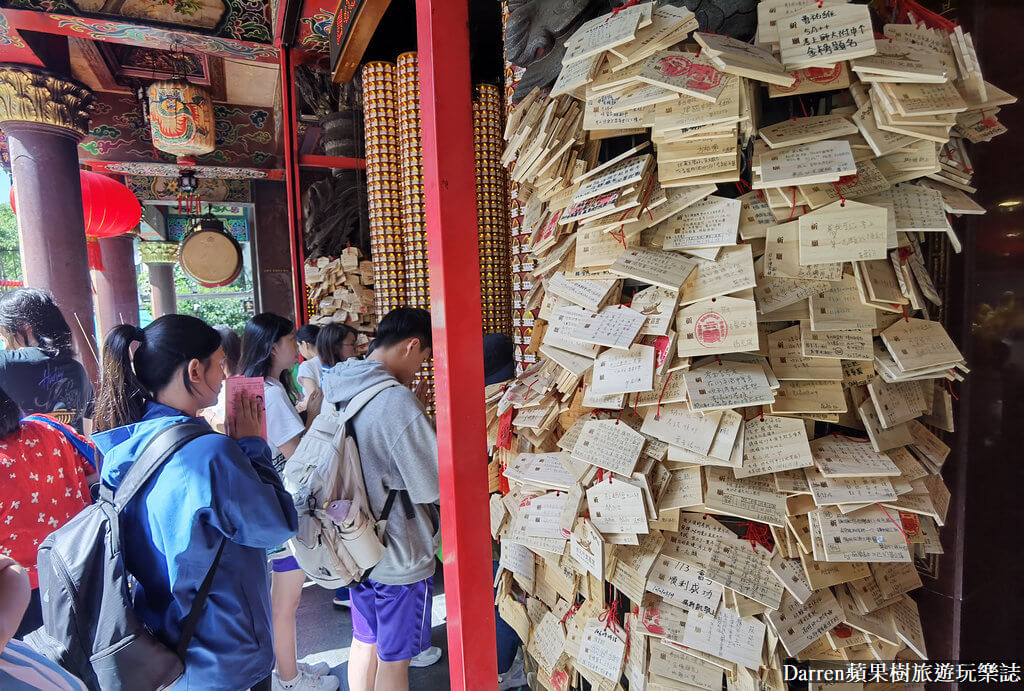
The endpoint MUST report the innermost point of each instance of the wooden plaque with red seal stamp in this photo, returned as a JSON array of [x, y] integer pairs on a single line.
[[711, 328], [685, 73], [813, 79]]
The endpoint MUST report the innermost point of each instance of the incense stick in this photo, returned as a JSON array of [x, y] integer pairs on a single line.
[[88, 341]]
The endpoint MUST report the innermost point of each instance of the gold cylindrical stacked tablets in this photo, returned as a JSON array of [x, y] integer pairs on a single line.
[[387, 245], [417, 288], [414, 219], [492, 211]]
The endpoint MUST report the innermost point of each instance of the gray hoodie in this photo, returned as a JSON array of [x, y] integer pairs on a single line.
[[398, 450]]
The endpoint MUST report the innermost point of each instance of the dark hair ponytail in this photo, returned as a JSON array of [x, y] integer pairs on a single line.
[[164, 346], [258, 339], [31, 308]]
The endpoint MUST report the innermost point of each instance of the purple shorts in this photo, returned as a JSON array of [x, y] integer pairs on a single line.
[[284, 564], [394, 617]]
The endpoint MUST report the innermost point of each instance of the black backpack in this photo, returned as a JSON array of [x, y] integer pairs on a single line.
[[89, 626]]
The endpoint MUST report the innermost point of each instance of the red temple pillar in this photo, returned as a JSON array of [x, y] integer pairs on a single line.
[[449, 187], [117, 292], [45, 115]]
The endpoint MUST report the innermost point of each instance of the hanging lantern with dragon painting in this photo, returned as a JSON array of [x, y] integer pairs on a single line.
[[181, 118]]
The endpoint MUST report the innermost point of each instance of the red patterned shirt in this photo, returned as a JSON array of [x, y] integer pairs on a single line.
[[42, 486]]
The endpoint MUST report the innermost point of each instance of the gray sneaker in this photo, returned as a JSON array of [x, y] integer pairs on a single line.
[[306, 682], [321, 669], [426, 658], [515, 676]]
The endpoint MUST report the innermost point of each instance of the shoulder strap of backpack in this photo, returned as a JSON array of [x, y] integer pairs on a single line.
[[364, 397], [157, 451], [87, 451], [407, 506], [188, 629]]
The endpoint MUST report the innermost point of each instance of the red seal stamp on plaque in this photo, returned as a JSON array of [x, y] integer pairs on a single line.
[[824, 75], [711, 328], [817, 75], [842, 631], [698, 76]]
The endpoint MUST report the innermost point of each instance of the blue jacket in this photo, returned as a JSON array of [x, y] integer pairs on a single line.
[[214, 488]]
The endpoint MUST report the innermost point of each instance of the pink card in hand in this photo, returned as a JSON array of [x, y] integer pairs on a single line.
[[236, 386]]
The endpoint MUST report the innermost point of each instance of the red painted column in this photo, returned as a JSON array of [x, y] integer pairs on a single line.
[[117, 292], [48, 192], [449, 183], [291, 181]]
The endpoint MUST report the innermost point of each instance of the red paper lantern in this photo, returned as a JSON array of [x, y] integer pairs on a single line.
[[109, 208]]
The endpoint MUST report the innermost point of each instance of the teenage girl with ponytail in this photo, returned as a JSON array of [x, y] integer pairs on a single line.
[[269, 350], [215, 490]]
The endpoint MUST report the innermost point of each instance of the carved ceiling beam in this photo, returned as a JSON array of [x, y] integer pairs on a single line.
[[90, 52], [135, 34]]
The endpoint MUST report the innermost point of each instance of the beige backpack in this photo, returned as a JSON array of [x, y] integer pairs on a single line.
[[338, 540]]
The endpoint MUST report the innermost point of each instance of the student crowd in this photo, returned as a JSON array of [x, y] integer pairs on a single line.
[[216, 510]]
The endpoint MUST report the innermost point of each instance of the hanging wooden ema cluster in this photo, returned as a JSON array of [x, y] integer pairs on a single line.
[[341, 291], [726, 453]]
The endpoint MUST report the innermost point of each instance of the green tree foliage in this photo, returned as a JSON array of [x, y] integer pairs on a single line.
[[10, 256], [234, 311]]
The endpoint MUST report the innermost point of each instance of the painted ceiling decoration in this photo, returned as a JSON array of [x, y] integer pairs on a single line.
[[164, 189], [202, 14], [172, 169], [179, 225], [245, 34], [14, 48], [128, 64], [314, 29], [119, 133], [242, 20], [129, 44]]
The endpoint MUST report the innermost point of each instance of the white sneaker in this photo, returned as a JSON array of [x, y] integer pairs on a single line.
[[426, 658], [347, 604], [318, 669], [306, 682], [515, 676]]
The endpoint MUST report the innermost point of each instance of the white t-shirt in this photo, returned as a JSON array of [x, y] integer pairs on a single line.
[[283, 422], [216, 414], [309, 369]]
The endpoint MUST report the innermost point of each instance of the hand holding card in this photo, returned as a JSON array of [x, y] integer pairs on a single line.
[[245, 412]]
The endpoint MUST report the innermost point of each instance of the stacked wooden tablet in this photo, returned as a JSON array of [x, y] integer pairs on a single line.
[[341, 290], [728, 449]]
